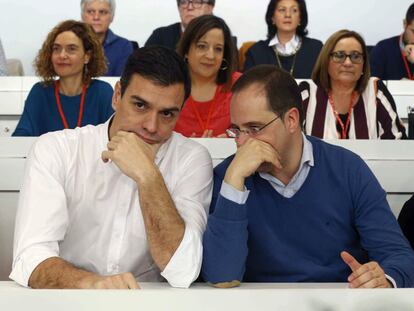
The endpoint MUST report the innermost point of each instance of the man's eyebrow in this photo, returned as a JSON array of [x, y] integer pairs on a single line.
[[142, 100]]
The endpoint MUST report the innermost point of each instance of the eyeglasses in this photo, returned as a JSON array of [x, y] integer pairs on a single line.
[[340, 57], [196, 3], [101, 13], [235, 132]]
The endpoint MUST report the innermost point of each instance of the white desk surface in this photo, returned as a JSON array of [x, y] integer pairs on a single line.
[[252, 296]]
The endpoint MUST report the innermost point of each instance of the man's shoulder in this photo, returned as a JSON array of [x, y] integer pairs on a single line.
[[173, 28], [388, 43], [221, 168], [325, 152], [186, 147]]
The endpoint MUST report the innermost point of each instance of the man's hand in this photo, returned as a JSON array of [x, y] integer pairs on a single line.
[[254, 155], [117, 281], [133, 156], [409, 52], [369, 275]]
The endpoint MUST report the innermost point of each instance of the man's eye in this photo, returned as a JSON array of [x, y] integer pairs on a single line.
[[254, 129], [140, 105], [167, 114]]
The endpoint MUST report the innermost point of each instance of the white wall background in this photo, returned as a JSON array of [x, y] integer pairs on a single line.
[[25, 23]]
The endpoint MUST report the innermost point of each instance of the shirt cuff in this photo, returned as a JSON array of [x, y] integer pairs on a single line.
[[391, 280], [185, 265], [232, 194], [25, 263]]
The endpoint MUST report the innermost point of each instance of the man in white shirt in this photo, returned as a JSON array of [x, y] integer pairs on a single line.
[[123, 202]]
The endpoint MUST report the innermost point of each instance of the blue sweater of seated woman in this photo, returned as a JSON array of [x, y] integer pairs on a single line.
[[41, 114], [340, 207]]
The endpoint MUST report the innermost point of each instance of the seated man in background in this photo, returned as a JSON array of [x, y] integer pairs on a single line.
[[169, 36], [393, 58], [100, 14], [292, 208], [3, 63], [126, 201]]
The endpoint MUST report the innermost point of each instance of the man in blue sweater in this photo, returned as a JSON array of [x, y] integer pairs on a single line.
[[393, 58], [292, 208]]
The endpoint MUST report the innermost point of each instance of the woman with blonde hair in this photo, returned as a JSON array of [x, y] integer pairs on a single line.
[[67, 96]]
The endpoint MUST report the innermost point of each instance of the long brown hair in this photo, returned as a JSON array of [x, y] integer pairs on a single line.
[[91, 44], [197, 28]]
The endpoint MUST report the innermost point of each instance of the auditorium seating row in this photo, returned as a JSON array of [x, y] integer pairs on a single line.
[[14, 90], [391, 161]]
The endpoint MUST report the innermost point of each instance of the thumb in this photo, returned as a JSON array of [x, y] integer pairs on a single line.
[[350, 261]]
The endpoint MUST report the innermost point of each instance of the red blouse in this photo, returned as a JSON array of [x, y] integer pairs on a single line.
[[196, 117]]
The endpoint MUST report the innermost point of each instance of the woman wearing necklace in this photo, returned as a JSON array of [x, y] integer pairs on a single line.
[[67, 97], [287, 45], [343, 101], [209, 50]]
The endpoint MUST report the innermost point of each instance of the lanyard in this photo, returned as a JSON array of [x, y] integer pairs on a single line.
[[62, 115], [348, 120], [407, 68], [204, 126]]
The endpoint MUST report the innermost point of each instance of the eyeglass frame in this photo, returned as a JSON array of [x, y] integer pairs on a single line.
[[335, 54], [196, 5], [231, 132]]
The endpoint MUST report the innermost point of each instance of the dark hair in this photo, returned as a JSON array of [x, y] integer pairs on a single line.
[[197, 28], [320, 74], [97, 62], [280, 88], [272, 29], [158, 64], [409, 16], [211, 2]]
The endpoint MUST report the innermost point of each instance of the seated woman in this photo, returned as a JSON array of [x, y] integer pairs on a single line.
[[343, 101], [73, 54], [287, 45], [209, 50]]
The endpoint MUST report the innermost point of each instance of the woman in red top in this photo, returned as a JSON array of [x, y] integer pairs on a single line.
[[210, 52]]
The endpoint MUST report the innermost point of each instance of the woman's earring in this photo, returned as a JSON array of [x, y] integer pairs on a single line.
[[224, 64]]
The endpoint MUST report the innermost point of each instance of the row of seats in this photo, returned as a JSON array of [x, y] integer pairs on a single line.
[[14, 90]]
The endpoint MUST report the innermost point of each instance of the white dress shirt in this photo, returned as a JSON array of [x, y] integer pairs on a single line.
[[75, 206]]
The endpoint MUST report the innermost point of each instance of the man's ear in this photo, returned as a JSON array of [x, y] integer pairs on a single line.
[[292, 120], [116, 97]]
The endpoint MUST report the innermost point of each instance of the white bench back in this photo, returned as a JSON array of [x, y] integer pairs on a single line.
[[14, 90]]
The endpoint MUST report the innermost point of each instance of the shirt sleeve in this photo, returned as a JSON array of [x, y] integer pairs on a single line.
[[192, 196], [42, 218]]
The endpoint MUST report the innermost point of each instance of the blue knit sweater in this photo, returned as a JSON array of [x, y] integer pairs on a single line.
[[340, 206]]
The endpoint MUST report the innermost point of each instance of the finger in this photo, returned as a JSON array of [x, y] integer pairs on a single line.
[[130, 281], [350, 261], [111, 145], [193, 135], [106, 156], [222, 136]]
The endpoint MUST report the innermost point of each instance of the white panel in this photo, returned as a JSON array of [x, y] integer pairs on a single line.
[[10, 83], [8, 206], [28, 82], [403, 102], [10, 103], [12, 171], [7, 126]]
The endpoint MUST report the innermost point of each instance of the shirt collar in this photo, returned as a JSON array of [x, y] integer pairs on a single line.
[[288, 48], [110, 37], [306, 159]]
